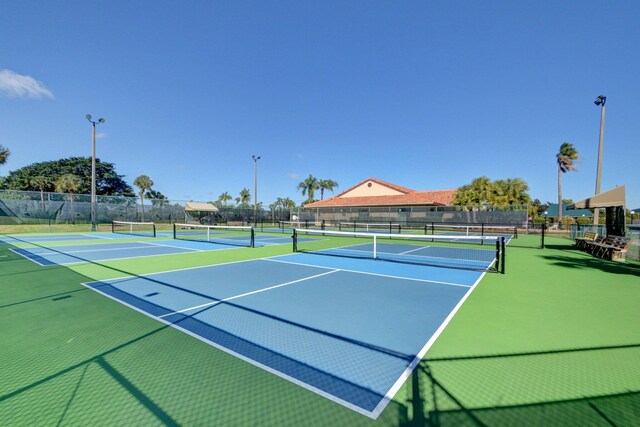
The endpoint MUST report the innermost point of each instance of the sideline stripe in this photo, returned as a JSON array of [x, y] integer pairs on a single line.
[[371, 274], [407, 372], [251, 293]]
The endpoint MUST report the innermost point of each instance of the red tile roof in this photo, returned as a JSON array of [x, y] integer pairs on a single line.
[[381, 182], [409, 198]]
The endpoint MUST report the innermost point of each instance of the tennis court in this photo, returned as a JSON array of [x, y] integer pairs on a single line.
[[349, 330], [340, 332]]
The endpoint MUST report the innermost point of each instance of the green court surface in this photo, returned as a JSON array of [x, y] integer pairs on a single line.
[[554, 341]]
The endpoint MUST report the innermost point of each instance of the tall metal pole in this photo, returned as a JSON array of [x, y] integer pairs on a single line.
[[93, 171], [601, 100], [255, 188], [93, 178]]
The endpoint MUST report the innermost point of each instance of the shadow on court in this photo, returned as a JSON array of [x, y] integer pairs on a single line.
[[587, 386], [79, 358], [574, 259]]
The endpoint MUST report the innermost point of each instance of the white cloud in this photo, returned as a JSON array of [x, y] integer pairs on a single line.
[[14, 85], [100, 135], [293, 175]]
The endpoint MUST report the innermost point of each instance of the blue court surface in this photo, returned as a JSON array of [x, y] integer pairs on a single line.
[[37, 238], [73, 254], [351, 330]]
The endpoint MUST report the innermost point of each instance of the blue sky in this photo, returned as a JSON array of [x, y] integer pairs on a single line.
[[427, 95]]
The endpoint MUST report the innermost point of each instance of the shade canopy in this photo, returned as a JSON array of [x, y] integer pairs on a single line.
[[199, 207], [611, 198], [552, 211]]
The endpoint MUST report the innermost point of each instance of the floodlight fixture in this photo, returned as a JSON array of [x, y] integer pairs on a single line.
[[600, 100]]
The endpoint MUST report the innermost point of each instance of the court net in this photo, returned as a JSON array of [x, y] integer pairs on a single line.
[[472, 230], [291, 225], [480, 253], [146, 229], [383, 227], [223, 234]]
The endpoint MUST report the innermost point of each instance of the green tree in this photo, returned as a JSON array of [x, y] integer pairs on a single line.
[[68, 183], [4, 154], [156, 197], [326, 184], [243, 199], [510, 192], [41, 183], [287, 203], [308, 187], [144, 183], [567, 157], [108, 182], [479, 192], [223, 199]]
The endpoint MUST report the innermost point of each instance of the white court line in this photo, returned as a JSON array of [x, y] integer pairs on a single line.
[[407, 372], [176, 269], [413, 250], [97, 237], [240, 356], [56, 252], [171, 246], [29, 258], [370, 274], [251, 293]]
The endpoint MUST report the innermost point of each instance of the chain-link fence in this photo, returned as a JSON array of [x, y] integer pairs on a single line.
[[504, 215], [33, 207]]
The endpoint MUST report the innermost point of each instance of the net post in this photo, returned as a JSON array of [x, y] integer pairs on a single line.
[[375, 247], [252, 244], [113, 227], [322, 225], [544, 227], [295, 240], [481, 229], [174, 231], [503, 249], [154, 229]]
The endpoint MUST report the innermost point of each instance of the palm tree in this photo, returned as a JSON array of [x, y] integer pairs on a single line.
[[244, 198], [143, 182], [68, 183], [566, 157], [224, 198], [511, 192], [481, 191], [41, 183], [156, 197], [309, 186], [4, 154], [326, 184]]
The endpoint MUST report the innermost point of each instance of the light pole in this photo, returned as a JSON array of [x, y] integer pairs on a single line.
[[93, 170], [255, 187], [600, 101]]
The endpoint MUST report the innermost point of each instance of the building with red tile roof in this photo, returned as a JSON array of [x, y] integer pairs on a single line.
[[373, 192]]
